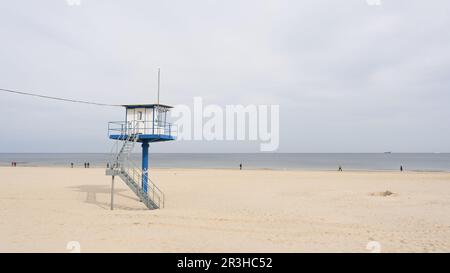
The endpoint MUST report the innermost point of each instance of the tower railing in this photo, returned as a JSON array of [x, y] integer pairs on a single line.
[[136, 174], [125, 128]]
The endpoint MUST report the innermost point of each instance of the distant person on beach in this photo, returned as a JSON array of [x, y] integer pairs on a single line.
[[401, 168], [85, 165], [240, 166], [71, 165], [340, 168], [107, 165], [88, 164]]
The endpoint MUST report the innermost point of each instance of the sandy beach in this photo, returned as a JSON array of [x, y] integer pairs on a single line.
[[42, 209]]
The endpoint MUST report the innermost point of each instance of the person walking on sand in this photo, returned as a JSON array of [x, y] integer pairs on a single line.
[[340, 168], [401, 168], [71, 164], [240, 166]]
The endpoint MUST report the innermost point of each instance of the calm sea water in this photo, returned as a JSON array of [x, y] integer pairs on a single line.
[[416, 162]]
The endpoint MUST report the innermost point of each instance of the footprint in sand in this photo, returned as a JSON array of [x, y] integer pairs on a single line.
[[383, 194]]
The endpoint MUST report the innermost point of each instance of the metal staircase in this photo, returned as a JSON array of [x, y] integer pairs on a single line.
[[122, 166]]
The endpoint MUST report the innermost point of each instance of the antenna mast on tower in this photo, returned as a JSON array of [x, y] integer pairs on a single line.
[[159, 72]]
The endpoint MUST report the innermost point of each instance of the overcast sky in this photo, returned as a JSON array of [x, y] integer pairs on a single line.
[[348, 76]]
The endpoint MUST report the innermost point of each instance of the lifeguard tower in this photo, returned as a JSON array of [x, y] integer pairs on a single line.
[[144, 123]]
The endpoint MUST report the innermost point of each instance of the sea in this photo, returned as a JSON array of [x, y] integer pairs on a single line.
[[274, 161]]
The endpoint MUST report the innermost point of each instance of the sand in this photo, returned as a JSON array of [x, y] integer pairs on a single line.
[[44, 209]]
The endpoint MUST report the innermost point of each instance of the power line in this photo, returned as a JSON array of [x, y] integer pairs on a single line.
[[56, 98]]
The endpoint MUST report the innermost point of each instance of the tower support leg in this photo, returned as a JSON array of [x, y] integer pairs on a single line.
[[112, 193], [145, 146]]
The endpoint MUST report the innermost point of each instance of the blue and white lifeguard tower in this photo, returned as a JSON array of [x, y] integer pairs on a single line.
[[144, 123]]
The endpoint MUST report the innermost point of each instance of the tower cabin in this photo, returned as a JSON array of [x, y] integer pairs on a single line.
[[144, 123], [147, 121]]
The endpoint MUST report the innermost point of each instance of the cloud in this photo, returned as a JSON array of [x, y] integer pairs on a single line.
[[373, 77]]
